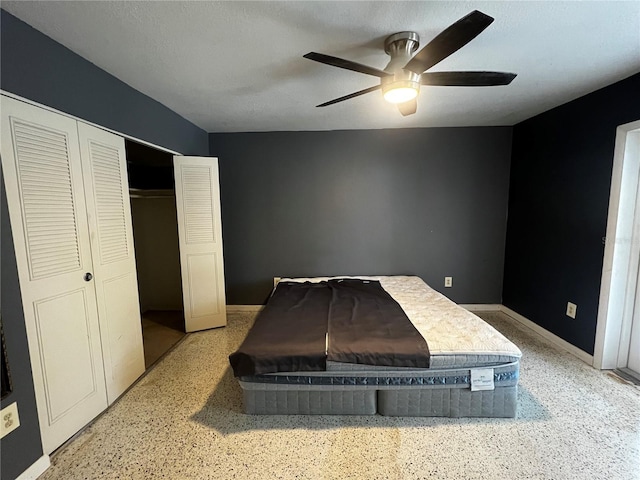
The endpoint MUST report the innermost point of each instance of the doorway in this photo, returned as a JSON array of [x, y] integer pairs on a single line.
[[629, 350], [631, 358], [155, 232], [618, 331]]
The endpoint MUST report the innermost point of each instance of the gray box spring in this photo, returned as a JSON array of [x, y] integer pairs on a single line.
[[401, 392]]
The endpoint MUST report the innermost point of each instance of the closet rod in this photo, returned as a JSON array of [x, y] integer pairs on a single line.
[[156, 193]]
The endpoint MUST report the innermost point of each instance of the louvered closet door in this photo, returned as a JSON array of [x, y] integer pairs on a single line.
[[43, 180], [200, 234], [114, 265]]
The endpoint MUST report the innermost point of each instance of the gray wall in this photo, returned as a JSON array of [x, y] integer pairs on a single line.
[[430, 202], [559, 197], [38, 68]]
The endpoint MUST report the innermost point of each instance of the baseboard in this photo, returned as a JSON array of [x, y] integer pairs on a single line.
[[37, 469], [244, 308], [482, 307], [547, 335]]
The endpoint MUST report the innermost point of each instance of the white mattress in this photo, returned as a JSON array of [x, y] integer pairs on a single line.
[[455, 336]]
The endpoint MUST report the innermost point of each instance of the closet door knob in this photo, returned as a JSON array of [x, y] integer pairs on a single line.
[[88, 277]]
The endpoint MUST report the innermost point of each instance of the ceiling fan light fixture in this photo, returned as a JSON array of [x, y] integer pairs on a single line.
[[401, 87], [400, 94]]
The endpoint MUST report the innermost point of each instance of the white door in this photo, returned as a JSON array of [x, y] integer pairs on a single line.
[[629, 353], [634, 346], [114, 265], [43, 180], [633, 355], [200, 236]]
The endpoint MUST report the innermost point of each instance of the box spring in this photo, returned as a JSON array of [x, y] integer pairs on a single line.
[[400, 392]]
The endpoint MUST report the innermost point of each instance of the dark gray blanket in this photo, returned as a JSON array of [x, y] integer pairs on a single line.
[[365, 325], [289, 334]]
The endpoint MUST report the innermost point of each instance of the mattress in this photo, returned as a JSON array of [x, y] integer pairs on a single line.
[[462, 348], [456, 337]]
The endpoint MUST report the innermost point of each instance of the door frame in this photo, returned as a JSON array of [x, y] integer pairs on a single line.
[[613, 330]]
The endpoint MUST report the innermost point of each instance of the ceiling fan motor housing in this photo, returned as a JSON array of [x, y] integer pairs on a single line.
[[400, 47]]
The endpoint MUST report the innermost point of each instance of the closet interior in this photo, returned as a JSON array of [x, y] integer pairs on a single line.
[[157, 252]]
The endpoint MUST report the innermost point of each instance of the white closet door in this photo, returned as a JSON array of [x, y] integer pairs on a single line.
[[114, 265], [200, 235], [43, 180]]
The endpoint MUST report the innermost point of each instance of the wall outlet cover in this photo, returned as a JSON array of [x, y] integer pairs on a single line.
[[448, 281], [9, 419], [571, 309]]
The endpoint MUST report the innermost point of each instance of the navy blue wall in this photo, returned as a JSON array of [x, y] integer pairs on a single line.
[[38, 68], [558, 203], [427, 201]]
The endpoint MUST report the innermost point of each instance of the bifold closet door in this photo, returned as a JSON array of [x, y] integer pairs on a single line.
[[109, 213], [45, 197], [200, 238]]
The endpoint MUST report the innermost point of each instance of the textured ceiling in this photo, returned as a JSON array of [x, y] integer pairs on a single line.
[[238, 66]]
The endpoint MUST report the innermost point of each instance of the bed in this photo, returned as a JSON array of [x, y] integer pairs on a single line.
[[428, 357]]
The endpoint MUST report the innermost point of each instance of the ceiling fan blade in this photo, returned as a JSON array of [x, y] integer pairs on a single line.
[[351, 95], [451, 39], [408, 108], [467, 79], [346, 64]]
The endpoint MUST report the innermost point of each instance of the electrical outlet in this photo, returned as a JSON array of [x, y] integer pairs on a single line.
[[571, 309], [448, 281], [9, 419], [275, 281]]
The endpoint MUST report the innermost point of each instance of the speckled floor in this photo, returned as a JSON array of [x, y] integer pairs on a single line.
[[184, 421]]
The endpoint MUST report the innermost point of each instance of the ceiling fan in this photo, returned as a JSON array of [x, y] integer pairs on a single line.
[[401, 79]]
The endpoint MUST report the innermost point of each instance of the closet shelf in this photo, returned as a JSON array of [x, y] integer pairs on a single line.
[[157, 193]]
